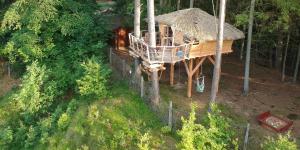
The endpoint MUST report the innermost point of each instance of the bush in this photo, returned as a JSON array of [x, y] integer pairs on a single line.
[[64, 121], [6, 136], [214, 135], [95, 78], [36, 92], [144, 143], [93, 114], [283, 142]]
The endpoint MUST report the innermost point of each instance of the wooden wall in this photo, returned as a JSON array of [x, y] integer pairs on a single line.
[[209, 48]]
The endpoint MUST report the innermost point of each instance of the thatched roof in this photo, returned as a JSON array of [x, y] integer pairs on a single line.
[[198, 24]]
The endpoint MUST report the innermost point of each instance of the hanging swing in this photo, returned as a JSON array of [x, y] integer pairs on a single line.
[[200, 84]]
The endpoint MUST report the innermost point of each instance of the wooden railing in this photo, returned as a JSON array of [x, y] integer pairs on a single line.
[[159, 54]]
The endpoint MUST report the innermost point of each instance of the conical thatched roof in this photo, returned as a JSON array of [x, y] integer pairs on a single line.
[[199, 24]]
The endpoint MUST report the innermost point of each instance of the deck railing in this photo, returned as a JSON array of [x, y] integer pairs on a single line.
[[159, 54]]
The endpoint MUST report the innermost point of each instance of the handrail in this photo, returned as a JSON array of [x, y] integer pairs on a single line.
[[159, 54]]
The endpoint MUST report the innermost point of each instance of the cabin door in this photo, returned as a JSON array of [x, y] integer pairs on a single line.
[[167, 36]]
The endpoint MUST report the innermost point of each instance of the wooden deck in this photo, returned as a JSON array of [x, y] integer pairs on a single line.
[[159, 54]]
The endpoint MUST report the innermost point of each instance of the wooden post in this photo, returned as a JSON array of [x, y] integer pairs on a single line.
[[155, 86], [8, 70], [246, 137], [247, 63], [123, 68], [190, 79], [172, 65], [218, 59], [110, 56], [142, 87], [170, 119], [137, 71]]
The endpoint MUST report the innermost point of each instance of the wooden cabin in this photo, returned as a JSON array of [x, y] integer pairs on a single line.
[[184, 35]]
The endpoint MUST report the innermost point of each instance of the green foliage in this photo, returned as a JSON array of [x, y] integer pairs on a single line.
[[214, 134], [63, 121], [144, 142], [6, 136], [35, 92], [95, 79], [283, 142]]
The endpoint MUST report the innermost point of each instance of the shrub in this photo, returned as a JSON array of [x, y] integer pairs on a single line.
[[214, 135], [35, 94], [6, 136], [72, 106], [64, 121], [144, 143], [93, 114], [95, 78], [283, 142]]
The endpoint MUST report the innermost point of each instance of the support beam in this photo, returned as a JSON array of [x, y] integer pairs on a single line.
[[191, 71], [212, 59], [172, 66]]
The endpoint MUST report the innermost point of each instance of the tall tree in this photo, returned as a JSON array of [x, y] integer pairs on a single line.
[[217, 68], [248, 54], [137, 18], [285, 57], [178, 4], [152, 46], [137, 33], [191, 3], [297, 66]]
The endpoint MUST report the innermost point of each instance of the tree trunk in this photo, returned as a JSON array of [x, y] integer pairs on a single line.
[[137, 18], [284, 58], [137, 33], [243, 45], [178, 4], [161, 3], [278, 53], [191, 3], [297, 66], [248, 55], [152, 45], [217, 68]]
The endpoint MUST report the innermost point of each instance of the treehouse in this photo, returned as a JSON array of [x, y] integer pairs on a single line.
[[184, 35]]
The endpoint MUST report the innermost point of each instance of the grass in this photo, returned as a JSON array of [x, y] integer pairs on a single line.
[[123, 119]]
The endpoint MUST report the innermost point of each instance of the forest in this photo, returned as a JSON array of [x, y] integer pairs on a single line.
[[59, 89]]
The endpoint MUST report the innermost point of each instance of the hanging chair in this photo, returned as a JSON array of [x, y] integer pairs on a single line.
[[200, 86]]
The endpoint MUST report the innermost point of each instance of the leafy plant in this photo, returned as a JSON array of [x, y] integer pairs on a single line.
[[283, 142], [144, 143], [95, 79], [212, 135], [64, 121], [6, 136]]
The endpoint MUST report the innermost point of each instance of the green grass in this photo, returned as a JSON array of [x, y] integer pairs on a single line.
[[123, 119]]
